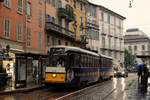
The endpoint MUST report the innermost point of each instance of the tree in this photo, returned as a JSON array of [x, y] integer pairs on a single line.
[[130, 60]]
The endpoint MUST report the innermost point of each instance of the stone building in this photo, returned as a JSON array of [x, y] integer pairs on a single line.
[[138, 43], [111, 34]]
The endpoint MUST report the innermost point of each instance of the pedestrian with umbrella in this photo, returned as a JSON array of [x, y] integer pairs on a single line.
[[144, 77], [139, 69]]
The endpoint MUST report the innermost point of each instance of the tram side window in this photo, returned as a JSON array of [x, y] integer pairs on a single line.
[[107, 62], [93, 61], [103, 62], [87, 60], [77, 62], [90, 61], [85, 65], [97, 62], [72, 60], [1, 67], [83, 61]]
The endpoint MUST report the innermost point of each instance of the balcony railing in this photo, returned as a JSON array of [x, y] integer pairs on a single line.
[[61, 31], [66, 13], [62, 13], [103, 32], [83, 39]]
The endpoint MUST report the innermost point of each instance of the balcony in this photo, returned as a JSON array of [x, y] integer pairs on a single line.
[[103, 33], [55, 29], [62, 13], [121, 37], [83, 39], [66, 13], [110, 35]]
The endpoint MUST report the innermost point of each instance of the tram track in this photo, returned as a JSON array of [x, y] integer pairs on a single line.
[[54, 93], [79, 92]]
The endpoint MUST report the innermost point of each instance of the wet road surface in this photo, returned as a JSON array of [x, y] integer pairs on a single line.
[[115, 89]]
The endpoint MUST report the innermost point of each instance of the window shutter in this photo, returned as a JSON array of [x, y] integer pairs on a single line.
[[26, 7], [31, 10]]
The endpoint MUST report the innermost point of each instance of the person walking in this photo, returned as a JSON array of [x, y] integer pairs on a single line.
[[144, 76], [139, 75]]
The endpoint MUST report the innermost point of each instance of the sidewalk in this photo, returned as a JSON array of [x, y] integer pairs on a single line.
[[136, 93], [9, 90]]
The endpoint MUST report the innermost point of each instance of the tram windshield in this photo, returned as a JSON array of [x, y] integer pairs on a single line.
[[57, 60]]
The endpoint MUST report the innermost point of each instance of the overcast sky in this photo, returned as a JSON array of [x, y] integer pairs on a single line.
[[136, 17]]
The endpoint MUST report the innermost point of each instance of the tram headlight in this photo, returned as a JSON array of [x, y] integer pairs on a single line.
[[53, 75], [115, 72], [122, 72]]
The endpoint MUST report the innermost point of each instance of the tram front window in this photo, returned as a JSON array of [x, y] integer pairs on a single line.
[[57, 61]]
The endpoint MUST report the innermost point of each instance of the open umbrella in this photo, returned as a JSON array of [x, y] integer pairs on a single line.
[[138, 66]]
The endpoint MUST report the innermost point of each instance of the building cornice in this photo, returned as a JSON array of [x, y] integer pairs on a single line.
[[108, 10]]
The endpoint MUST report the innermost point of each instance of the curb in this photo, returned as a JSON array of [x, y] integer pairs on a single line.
[[22, 90]]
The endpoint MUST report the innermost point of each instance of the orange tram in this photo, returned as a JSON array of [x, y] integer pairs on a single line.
[[75, 66]]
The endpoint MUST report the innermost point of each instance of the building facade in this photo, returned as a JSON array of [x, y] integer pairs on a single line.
[[92, 25], [111, 34], [138, 43], [12, 19], [65, 22], [22, 39], [35, 26], [23, 24]]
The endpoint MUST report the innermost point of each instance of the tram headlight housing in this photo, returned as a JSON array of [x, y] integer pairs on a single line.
[[53, 75]]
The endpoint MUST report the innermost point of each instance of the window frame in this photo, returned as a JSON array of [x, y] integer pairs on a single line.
[[40, 17], [7, 35], [40, 40], [28, 37], [7, 3], [20, 7], [19, 35]]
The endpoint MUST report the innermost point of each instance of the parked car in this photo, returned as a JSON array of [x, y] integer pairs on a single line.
[[121, 72]]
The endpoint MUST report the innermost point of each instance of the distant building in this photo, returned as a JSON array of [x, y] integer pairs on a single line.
[[138, 43]]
